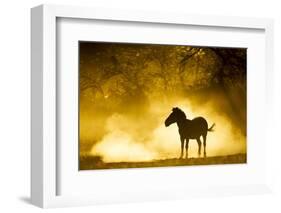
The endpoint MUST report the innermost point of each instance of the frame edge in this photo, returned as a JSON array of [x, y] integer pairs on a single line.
[[37, 106]]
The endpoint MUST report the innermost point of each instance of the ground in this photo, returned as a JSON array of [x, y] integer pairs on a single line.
[[95, 162]]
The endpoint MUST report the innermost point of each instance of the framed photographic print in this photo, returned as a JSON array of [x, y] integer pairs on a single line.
[[149, 106], [127, 90]]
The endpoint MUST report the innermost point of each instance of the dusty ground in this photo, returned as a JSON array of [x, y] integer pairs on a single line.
[[95, 162]]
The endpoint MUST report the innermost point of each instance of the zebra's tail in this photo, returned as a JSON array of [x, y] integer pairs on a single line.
[[211, 128]]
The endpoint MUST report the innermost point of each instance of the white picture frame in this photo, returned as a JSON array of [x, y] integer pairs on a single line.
[[44, 153]]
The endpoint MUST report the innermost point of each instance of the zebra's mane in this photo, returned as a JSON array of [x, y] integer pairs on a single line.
[[180, 112]]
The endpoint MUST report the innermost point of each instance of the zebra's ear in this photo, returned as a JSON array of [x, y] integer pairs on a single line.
[[175, 109]]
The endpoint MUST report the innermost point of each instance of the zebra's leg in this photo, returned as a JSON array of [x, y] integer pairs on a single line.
[[199, 146], [204, 144], [182, 146], [186, 148]]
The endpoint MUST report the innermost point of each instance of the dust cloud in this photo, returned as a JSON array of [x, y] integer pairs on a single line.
[[128, 139]]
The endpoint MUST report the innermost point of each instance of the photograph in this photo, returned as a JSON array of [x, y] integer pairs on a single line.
[[161, 105]]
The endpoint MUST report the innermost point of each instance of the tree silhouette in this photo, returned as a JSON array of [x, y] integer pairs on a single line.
[[133, 73]]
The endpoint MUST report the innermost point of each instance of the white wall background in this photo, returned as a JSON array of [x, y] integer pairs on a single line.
[[15, 104]]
